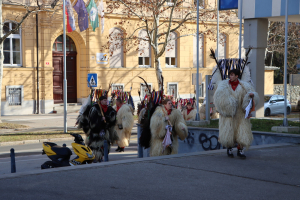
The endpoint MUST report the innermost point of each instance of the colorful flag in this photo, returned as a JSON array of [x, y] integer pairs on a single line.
[[93, 14], [101, 13], [83, 21], [70, 17]]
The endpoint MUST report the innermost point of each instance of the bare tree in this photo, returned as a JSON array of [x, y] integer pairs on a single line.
[[276, 42], [29, 8], [159, 19]]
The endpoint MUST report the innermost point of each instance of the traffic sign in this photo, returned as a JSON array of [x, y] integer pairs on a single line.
[[92, 80]]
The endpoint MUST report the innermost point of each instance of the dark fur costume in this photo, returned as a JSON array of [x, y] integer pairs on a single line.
[[92, 123], [146, 132]]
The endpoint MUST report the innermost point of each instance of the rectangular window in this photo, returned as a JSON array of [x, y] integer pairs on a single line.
[[144, 62], [173, 89], [117, 87], [170, 62], [14, 95], [171, 51], [12, 48], [144, 89]]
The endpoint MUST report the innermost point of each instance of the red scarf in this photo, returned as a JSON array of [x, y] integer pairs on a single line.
[[234, 84], [189, 110], [118, 107], [104, 108], [169, 111]]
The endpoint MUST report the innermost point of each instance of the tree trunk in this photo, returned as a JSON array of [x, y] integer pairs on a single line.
[[158, 72], [1, 57]]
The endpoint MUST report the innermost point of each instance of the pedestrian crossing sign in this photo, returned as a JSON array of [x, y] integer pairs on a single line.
[[92, 80]]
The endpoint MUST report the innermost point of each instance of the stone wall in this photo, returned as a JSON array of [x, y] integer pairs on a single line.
[[291, 90]]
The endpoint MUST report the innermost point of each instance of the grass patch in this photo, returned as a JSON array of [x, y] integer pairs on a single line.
[[263, 125], [135, 117], [11, 126], [266, 125], [36, 135]]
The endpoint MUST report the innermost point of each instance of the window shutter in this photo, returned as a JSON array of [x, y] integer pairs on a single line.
[[171, 46], [115, 48], [144, 47]]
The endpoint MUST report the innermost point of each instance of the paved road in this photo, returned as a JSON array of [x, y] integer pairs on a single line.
[[267, 173], [32, 159], [28, 156]]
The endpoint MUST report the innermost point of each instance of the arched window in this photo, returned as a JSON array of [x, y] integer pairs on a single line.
[[222, 46], [12, 46], [144, 50], [201, 51], [58, 44], [116, 48], [171, 50]]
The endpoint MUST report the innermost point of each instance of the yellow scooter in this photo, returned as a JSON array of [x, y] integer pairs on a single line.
[[60, 156]]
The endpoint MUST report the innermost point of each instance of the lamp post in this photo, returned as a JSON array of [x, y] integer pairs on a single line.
[[285, 121], [197, 79]]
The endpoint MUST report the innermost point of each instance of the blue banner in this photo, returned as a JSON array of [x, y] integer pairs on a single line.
[[228, 4]]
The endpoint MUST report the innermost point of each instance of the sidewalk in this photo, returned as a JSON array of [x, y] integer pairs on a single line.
[[269, 172], [41, 122]]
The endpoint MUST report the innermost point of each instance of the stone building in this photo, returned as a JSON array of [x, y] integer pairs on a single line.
[[19, 87]]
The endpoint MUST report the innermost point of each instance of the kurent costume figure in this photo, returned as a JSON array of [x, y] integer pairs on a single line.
[[164, 116], [124, 124], [213, 112], [98, 121], [231, 99], [189, 113]]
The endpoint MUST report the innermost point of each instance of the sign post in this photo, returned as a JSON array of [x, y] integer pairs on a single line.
[[65, 68]]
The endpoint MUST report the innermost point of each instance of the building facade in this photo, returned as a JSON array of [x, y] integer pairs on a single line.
[[19, 87]]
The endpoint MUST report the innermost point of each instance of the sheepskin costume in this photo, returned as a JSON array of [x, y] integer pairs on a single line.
[[141, 115], [213, 115], [233, 127], [96, 142], [125, 121], [191, 116], [96, 130], [158, 131]]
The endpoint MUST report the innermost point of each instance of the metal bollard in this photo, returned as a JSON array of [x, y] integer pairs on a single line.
[[105, 151], [140, 148], [13, 161]]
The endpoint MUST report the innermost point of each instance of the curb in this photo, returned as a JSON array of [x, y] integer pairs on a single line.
[[35, 141], [135, 160]]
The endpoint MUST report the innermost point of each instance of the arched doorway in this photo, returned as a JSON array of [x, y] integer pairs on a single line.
[[58, 72]]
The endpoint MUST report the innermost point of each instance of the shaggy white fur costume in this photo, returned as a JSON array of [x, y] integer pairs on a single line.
[[158, 131], [214, 114], [124, 118], [191, 116], [233, 127]]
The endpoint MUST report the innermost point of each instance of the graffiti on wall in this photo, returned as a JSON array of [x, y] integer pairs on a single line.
[[208, 143]]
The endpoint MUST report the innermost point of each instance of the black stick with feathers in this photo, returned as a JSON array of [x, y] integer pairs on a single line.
[[246, 61], [213, 56], [145, 83]]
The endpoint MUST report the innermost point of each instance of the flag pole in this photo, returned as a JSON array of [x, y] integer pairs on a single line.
[[65, 70], [240, 36]]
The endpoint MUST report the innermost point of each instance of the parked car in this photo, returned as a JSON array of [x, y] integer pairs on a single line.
[[274, 104]]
